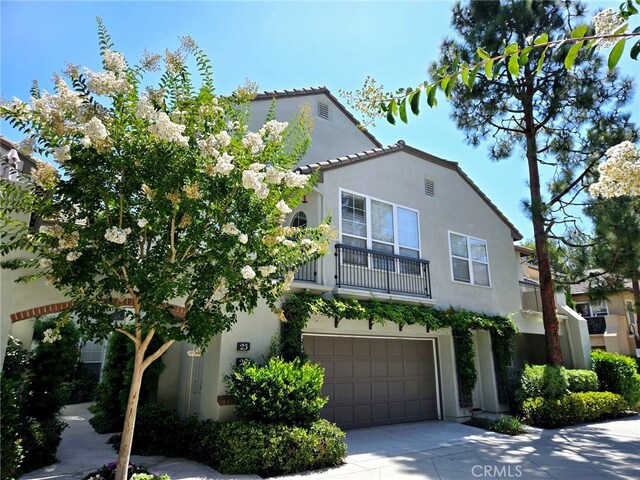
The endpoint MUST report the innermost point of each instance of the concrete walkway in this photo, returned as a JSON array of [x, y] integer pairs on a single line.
[[83, 450], [426, 450]]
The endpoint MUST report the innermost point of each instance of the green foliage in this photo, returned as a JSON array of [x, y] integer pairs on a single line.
[[299, 308], [582, 380], [135, 472], [11, 449], [573, 408], [617, 373], [81, 387], [507, 424], [112, 392], [239, 446], [546, 381], [32, 398], [272, 449], [278, 391]]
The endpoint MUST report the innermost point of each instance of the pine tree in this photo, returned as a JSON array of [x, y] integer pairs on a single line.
[[549, 116]]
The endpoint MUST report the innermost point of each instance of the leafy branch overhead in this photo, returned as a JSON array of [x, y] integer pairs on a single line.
[[610, 29]]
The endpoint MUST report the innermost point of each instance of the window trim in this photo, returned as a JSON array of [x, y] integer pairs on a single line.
[[469, 260], [591, 311], [369, 239]]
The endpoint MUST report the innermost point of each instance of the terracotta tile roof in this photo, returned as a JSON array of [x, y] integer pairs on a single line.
[[402, 146], [301, 92]]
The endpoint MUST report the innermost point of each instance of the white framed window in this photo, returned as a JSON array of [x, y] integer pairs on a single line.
[[628, 306], [469, 259], [299, 220], [593, 309], [373, 224]]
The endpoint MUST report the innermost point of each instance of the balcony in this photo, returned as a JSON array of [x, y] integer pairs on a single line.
[[372, 270], [596, 325], [530, 296], [307, 273]]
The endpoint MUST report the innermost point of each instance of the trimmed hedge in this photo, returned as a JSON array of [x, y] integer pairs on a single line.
[[278, 391], [617, 373], [573, 408], [582, 380], [239, 446], [271, 449], [545, 381]]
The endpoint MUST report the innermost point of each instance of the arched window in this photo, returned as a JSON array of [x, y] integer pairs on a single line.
[[299, 220]]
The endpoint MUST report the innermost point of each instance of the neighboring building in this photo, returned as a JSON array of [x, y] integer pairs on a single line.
[[412, 228], [612, 322]]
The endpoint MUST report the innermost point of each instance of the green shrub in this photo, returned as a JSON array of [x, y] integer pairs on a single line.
[[617, 373], [573, 408], [112, 392], [506, 424], [272, 449], [41, 441], [547, 381], [278, 391], [11, 450], [582, 380], [135, 472]]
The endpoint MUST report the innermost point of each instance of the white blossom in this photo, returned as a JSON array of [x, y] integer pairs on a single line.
[[62, 154], [289, 243], [620, 173], [253, 142], [208, 146], [272, 130], [248, 273], [94, 132], [230, 229], [45, 175], [252, 180], [50, 336], [262, 192], [165, 129], [143, 222], [223, 138], [606, 23], [117, 235], [224, 165], [144, 109], [73, 256], [283, 207], [196, 352], [114, 62], [267, 270], [295, 179], [106, 83], [243, 238], [44, 263], [69, 240], [55, 231]]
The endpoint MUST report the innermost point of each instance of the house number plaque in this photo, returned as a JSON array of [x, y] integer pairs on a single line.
[[243, 346]]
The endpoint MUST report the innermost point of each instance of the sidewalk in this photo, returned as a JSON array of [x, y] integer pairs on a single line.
[[83, 450]]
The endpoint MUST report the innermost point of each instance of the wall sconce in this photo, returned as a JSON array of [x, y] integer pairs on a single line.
[[304, 199]]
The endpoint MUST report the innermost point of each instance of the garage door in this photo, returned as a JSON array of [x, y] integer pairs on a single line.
[[375, 381]]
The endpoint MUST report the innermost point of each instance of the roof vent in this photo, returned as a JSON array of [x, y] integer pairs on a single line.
[[429, 187], [323, 110]]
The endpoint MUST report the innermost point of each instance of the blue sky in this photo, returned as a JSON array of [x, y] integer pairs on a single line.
[[279, 45]]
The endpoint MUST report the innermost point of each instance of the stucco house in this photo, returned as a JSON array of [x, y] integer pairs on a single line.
[[612, 322], [412, 228]]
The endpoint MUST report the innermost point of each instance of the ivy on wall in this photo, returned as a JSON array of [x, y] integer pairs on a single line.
[[298, 309]]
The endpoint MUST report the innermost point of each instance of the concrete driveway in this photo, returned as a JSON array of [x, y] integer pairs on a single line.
[[426, 450], [449, 451]]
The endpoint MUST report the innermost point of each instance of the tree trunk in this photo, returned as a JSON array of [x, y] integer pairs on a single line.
[[549, 317], [130, 416], [635, 287]]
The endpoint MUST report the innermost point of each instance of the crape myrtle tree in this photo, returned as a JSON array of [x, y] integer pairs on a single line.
[[161, 196], [513, 78]]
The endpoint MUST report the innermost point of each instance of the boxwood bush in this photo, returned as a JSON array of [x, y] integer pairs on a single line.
[[617, 373], [573, 408], [545, 381], [278, 391], [273, 449], [582, 380]]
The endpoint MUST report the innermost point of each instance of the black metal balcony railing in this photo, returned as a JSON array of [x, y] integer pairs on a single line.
[[596, 325], [307, 273], [530, 296], [373, 270]]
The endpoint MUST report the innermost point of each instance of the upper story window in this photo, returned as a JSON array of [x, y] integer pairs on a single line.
[[299, 220], [593, 309], [469, 259], [376, 225]]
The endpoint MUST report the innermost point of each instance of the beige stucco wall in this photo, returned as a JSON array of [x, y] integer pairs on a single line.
[[399, 178], [332, 138]]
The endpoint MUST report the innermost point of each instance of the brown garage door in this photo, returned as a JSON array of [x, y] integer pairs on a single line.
[[375, 381]]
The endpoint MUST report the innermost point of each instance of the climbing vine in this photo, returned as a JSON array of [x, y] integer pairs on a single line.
[[298, 309]]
